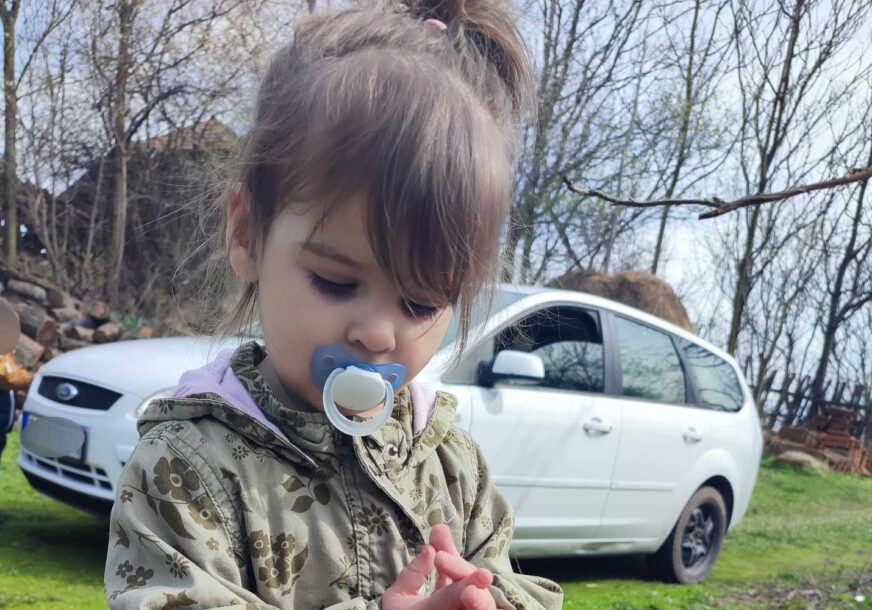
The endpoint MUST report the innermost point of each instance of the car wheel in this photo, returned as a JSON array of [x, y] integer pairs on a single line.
[[690, 551]]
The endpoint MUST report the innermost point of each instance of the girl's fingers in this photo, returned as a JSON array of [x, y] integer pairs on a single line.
[[441, 539], [453, 566], [449, 597], [443, 542], [412, 577], [442, 580], [474, 598]]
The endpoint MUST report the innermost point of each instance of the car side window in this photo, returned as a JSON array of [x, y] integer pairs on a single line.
[[569, 342], [650, 366], [716, 381]]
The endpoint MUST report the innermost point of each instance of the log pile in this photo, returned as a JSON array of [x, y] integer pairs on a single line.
[[52, 322], [827, 437]]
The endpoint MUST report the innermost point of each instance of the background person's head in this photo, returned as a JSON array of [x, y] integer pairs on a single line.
[[10, 328], [385, 141]]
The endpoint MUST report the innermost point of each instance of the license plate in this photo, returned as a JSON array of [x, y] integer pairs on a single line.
[[79, 455], [75, 456]]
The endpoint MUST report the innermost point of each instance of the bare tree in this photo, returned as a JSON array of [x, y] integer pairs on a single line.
[[46, 22], [702, 60], [846, 281], [805, 40], [584, 57], [9, 14], [137, 59]]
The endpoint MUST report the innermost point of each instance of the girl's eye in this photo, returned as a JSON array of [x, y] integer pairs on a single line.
[[417, 310], [330, 289]]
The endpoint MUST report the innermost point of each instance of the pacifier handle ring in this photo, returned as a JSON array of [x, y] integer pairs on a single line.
[[353, 428]]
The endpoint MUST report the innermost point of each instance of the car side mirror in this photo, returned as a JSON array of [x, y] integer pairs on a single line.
[[511, 364]]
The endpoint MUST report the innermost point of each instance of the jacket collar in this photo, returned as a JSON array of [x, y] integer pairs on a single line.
[[301, 435]]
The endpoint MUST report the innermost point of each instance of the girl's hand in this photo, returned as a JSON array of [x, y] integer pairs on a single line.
[[451, 566], [468, 593], [441, 540]]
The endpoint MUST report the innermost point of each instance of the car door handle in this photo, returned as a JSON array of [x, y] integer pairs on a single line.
[[691, 436], [596, 427]]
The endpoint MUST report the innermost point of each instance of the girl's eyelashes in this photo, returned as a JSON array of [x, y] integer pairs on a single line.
[[333, 290], [416, 310], [342, 291]]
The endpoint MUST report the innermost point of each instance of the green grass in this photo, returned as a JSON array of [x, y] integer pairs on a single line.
[[805, 543], [51, 556], [805, 532]]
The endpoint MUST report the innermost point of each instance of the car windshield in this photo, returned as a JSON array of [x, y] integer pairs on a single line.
[[480, 313]]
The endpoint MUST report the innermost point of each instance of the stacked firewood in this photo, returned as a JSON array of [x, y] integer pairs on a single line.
[[827, 437], [54, 322]]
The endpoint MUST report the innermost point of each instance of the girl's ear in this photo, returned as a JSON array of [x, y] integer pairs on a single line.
[[237, 237]]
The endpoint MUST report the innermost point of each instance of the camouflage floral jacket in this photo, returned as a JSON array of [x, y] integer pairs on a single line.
[[218, 509]]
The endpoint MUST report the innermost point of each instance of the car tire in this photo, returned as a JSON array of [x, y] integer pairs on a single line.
[[692, 548]]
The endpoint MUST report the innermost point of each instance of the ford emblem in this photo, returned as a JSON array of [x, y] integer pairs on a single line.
[[66, 392]]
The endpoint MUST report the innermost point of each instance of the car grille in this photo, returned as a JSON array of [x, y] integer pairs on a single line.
[[89, 396], [81, 473]]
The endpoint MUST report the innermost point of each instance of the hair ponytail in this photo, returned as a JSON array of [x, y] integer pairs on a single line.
[[484, 32]]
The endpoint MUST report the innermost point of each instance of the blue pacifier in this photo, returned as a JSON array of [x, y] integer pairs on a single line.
[[356, 385]]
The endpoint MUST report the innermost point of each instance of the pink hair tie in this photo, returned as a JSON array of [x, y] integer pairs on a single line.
[[435, 23]]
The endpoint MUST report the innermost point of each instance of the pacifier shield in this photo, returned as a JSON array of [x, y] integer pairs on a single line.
[[355, 385], [327, 358]]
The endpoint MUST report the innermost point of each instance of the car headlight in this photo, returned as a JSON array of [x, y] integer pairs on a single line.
[[162, 394]]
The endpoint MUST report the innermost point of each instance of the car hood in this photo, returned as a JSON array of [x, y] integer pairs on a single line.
[[140, 367]]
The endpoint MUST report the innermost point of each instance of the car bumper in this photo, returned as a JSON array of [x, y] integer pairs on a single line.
[[88, 484], [83, 501]]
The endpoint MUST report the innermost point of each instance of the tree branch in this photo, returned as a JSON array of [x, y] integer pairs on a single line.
[[721, 207]]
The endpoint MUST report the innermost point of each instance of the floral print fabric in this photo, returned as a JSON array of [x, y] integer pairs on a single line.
[[214, 510]]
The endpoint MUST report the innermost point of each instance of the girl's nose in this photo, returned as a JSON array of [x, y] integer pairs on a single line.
[[374, 333]]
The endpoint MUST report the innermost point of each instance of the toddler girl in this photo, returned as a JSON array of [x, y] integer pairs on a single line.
[[365, 211]]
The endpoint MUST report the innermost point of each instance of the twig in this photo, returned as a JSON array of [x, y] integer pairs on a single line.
[[720, 206]]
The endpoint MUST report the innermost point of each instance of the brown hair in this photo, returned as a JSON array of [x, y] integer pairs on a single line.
[[422, 124]]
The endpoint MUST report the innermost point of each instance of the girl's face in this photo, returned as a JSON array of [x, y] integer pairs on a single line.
[[332, 291]]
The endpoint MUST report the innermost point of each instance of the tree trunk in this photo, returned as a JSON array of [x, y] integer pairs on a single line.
[[10, 90], [835, 315], [658, 247], [682, 135], [125, 16], [776, 123], [740, 294], [615, 212]]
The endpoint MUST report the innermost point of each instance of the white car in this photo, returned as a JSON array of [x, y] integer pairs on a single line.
[[609, 430]]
